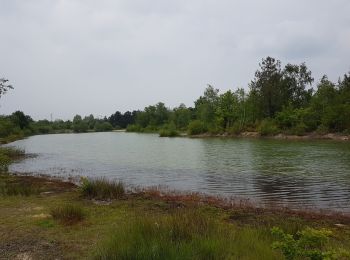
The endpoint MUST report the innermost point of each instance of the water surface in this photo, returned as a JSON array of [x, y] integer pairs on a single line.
[[293, 173]]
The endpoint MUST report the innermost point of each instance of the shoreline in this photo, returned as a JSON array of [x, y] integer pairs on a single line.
[[217, 201], [257, 135], [30, 228], [251, 135]]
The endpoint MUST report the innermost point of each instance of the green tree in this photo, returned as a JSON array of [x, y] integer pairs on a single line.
[[227, 109], [182, 116], [79, 126], [206, 106], [20, 119], [267, 87]]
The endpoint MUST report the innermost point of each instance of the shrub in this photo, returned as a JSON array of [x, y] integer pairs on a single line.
[[196, 127], [133, 128], [168, 131], [322, 129], [309, 243], [103, 127], [236, 128], [102, 189], [268, 127], [68, 214], [299, 129]]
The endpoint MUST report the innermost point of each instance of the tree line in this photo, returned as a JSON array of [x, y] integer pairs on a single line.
[[279, 99]]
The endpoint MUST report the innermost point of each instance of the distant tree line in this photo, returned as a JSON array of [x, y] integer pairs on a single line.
[[279, 99]]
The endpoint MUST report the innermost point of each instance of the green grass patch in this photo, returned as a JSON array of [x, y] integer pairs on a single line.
[[102, 189], [46, 223], [183, 234], [17, 189], [68, 213]]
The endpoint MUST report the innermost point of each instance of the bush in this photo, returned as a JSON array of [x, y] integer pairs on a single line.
[[268, 127], [322, 129], [196, 127], [309, 243], [299, 129], [68, 214], [168, 131], [103, 127], [133, 128], [102, 189], [236, 128]]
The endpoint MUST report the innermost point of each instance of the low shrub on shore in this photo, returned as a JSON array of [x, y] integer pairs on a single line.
[[68, 214], [309, 243], [102, 189], [168, 133]]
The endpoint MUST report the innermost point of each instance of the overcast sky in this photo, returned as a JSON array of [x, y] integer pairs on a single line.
[[84, 56]]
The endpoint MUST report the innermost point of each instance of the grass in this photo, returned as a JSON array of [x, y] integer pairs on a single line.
[[102, 189], [17, 189], [183, 234], [68, 214], [145, 226]]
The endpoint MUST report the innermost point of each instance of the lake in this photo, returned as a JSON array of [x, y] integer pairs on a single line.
[[291, 173]]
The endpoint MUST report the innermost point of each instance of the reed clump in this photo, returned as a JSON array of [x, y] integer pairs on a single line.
[[68, 214], [102, 189]]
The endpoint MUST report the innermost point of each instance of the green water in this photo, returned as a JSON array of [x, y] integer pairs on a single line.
[[291, 173]]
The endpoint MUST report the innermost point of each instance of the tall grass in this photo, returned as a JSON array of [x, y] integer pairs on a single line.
[[184, 234], [102, 189], [17, 189], [68, 214]]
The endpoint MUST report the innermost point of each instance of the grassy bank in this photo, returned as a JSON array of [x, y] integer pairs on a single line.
[[101, 220]]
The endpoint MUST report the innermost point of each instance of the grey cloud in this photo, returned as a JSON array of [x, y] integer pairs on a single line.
[[74, 56]]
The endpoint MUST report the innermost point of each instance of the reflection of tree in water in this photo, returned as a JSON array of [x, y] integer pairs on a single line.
[[227, 167], [279, 171], [299, 173]]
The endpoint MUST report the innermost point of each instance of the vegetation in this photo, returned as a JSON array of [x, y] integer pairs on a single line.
[[17, 189], [279, 100], [68, 214], [168, 131], [102, 189], [4, 86], [7, 155], [309, 243], [147, 225], [183, 234]]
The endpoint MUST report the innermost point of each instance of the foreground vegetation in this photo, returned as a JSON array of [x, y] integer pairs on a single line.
[[102, 220]]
